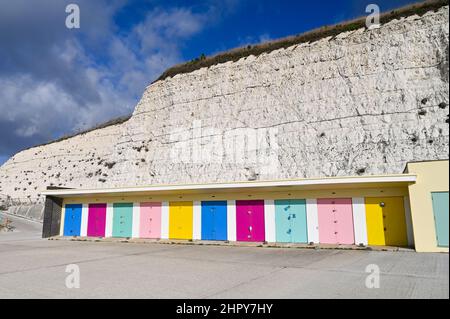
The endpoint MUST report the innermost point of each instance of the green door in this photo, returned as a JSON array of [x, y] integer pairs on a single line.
[[440, 209], [122, 220]]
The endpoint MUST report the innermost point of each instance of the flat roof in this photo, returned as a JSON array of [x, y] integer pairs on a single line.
[[291, 184]]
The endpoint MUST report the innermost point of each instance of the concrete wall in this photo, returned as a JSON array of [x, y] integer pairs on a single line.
[[29, 211], [364, 102], [431, 177]]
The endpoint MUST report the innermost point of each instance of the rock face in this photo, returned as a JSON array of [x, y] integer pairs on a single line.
[[364, 102]]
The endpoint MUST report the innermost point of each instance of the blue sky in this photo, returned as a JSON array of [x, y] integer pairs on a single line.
[[55, 81]]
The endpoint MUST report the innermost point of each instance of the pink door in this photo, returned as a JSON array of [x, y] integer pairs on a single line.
[[336, 221], [150, 222], [96, 220], [250, 220]]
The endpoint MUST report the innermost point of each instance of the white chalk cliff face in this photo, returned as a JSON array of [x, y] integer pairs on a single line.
[[364, 102]]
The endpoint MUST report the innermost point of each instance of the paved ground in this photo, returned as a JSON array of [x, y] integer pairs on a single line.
[[31, 267]]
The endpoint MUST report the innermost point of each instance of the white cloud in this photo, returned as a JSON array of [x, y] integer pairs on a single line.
[[155, 44], [52, 85], [252, 40], [265, 37]]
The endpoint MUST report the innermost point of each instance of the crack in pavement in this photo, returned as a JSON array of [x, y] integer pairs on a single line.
[[80, 262], [278, 269], [157, 253]]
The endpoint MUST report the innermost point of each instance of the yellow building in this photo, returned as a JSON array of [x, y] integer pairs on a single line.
[[432, 180]]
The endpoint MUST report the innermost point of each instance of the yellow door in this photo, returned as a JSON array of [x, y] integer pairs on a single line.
[[385, 219], [374, 221], [180, 220]]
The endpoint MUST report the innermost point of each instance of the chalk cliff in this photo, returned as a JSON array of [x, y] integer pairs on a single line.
[[363, 102]]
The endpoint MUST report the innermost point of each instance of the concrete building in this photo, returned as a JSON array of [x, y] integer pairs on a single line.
[[300, 140], [406, 210]]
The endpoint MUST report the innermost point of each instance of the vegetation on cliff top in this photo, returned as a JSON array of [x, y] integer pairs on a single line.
[[310, 36]]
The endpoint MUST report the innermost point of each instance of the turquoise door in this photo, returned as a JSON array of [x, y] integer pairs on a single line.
[[122, 220], [290, 221], [440, 209]]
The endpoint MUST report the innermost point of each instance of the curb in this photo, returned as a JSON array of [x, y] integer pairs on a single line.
[[230, 244]]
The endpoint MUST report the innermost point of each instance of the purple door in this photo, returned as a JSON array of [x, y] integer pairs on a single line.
[[96, 220], [250, 220]]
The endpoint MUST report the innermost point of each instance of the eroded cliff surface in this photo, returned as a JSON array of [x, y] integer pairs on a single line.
[[364, 102]]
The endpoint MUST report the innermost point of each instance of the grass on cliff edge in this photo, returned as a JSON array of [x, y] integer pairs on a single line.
[[310, 36]]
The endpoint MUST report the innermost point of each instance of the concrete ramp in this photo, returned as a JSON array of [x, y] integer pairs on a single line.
[[31, 211]]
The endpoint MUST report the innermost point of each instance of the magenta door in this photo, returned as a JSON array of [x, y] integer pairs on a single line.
[[150, 221], [335, 221], [250, 220], [96, 220]]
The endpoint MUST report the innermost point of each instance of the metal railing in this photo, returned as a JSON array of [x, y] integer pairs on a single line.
[[23, 207]]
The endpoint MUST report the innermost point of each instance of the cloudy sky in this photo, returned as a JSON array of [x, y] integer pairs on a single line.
[[55, 80]]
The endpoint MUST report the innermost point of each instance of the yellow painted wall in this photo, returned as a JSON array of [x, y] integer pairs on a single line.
[[324, 193], [431, 177]]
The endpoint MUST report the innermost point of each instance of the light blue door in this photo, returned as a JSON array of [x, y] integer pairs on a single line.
[[440, 209], [290, 221], [72, 220], [122, 219]]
